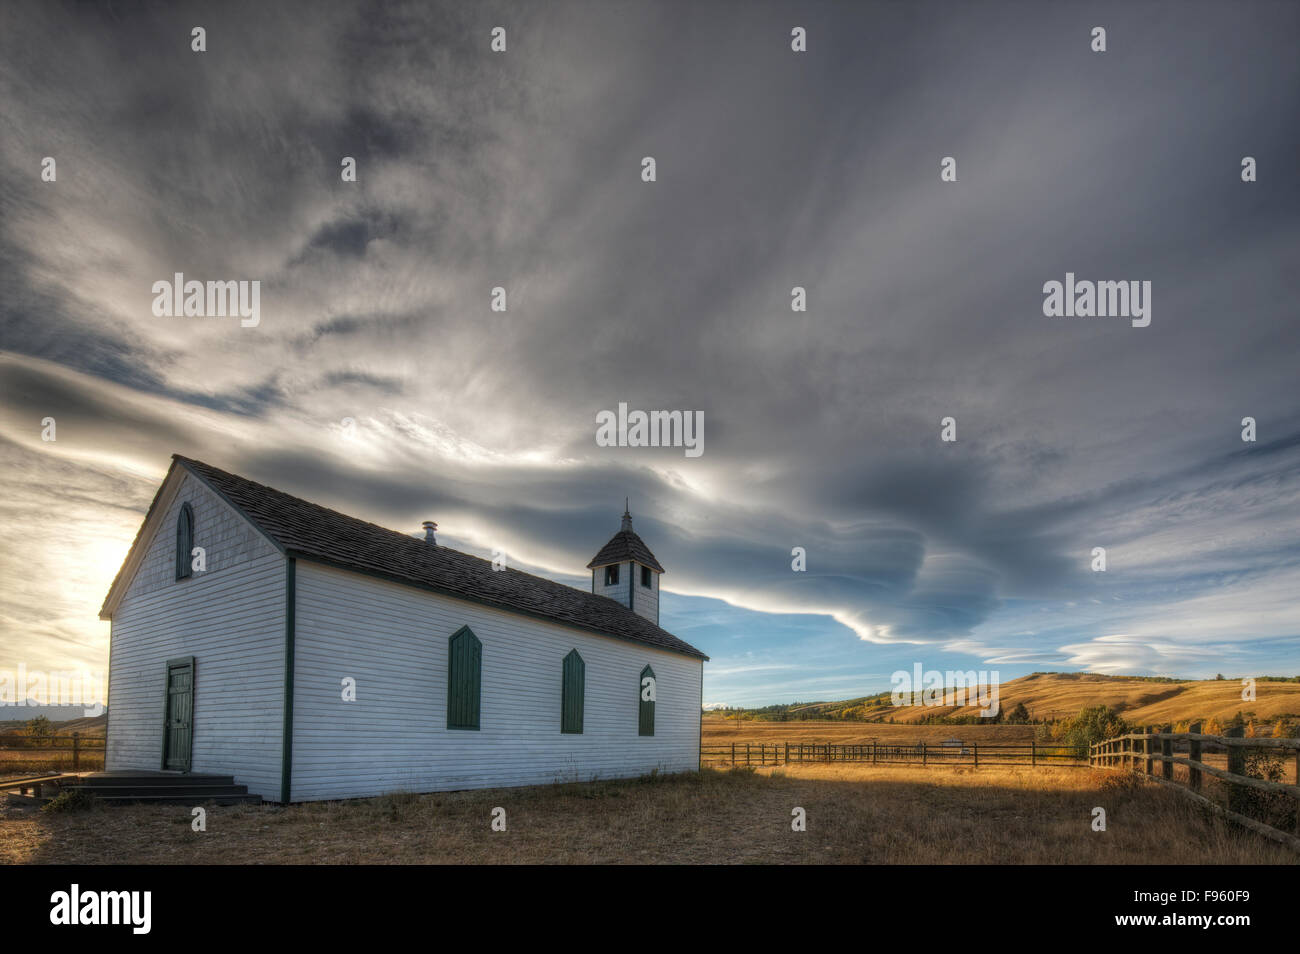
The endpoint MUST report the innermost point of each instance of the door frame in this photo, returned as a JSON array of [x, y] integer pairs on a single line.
[[179, 663]]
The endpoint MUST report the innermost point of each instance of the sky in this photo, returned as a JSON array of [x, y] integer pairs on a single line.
[[380, 381]]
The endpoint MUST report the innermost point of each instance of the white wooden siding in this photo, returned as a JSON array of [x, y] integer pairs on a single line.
[[645, 600], [393, 641], [231, 619], [617, 591]]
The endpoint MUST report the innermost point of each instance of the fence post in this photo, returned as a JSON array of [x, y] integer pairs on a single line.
[[977, 753], [76, 751], [1167, 750], [1194, 753], [1033, 752], [873, 755], [746, 753], [1146, 746], [1237, 766], [733, 753], [922, 753], [787, 753]]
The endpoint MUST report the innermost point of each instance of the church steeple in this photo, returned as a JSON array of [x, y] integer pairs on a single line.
[[625, 570]]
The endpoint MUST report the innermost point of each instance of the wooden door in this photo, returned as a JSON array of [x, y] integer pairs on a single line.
[[178, 735]]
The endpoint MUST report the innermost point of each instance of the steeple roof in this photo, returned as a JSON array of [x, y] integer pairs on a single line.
[[623, 546]]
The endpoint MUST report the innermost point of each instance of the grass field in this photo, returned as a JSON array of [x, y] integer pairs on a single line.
[[721, 731], [855, 815], [1055, 695]]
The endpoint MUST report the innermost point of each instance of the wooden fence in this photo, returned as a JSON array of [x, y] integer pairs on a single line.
[[1154, 748], [891, 753], [20, 754]]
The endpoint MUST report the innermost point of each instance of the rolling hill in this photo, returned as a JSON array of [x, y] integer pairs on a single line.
[[1140, 700]]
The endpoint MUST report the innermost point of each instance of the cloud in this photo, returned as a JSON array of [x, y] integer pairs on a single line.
[[520, 170]]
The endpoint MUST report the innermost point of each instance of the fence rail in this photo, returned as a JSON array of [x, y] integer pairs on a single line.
[[74, 751], [891, 753], [1143, 751]]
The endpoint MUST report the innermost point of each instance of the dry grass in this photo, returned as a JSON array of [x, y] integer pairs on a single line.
[[856, 815], [1140, 702], [721, 731], [17, 762]]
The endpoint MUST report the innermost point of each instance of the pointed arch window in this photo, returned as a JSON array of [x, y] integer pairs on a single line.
[[184, 541], [464, 679], [647, 686], [572, 694]]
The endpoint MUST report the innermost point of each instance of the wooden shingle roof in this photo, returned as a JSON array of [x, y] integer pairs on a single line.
[[304, 529], [623, 546]]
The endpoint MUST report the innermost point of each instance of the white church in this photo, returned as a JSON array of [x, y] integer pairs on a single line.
[[313, 655]]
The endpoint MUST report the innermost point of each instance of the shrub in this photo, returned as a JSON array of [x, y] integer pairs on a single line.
[[71, 800], [1090, 726], [1123, 785], [1272, 808]]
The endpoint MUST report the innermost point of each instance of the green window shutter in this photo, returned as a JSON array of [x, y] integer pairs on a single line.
[[573, 692], [644, 689], [464, 679], [184, 541]]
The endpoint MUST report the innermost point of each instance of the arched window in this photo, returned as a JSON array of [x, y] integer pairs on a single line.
[[464, 677], [572, 692], [184, 541], [646, 688]]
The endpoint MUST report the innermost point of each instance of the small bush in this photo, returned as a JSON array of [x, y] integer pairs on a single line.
[[71, 800], [1123, 785], [1091, 725], [1272, 808]]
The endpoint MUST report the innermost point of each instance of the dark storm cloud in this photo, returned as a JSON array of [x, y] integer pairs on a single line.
[[521, 170]]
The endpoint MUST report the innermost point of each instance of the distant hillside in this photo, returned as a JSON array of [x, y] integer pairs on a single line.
[[86, 725], [1141, 700]]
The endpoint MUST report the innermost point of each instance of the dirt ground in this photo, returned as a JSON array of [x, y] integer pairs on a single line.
[[854, 815]]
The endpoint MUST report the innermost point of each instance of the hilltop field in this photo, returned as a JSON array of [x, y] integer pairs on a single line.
[[1047, 697]]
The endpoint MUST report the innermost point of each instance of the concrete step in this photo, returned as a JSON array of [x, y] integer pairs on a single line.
[[160, 787], [156, 781], [196, 791], [181, 799]]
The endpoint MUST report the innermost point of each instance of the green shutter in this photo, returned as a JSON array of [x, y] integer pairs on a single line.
[[464, 678], [574, 689], [647, 724]]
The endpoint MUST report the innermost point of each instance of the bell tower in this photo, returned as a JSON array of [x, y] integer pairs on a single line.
[[625, 570]]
